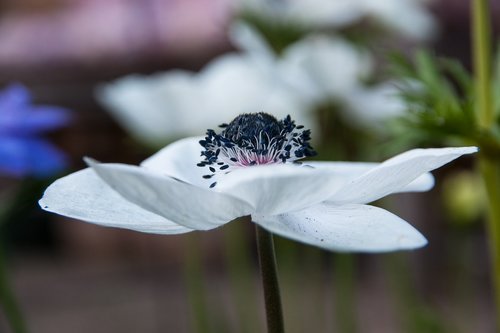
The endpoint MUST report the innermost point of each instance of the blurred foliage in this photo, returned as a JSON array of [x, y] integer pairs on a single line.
[[417, 314], [464, 197], [357, 33], [440, 99], [22, 224], [339, 139]]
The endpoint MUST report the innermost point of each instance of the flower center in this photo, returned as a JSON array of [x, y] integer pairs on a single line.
[[254, 139]]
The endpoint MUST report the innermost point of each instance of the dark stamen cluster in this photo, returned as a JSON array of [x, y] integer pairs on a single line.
[[254, 138]]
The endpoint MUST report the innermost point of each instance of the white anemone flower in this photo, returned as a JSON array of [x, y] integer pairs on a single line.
[[253, 161]]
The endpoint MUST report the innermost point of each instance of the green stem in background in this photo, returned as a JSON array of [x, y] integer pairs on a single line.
[[241, 276], [293, 276], [490, 169], [196, 291], [8, 301], [8, 211], [267, 260], [482, 62], [345, 292]]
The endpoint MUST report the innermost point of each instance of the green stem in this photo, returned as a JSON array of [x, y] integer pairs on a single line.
[[345, 293], [267, 259], [490, 169], [482, 62], [8, 301], [196, 291], [491, 177], [241, 275]]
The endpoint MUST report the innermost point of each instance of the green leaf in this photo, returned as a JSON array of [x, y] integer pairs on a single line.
[[439, 97]]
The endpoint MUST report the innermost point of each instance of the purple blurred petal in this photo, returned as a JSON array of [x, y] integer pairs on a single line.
[[13, 97], [19, 118], [35, 119], [22, 152], [21, 157]]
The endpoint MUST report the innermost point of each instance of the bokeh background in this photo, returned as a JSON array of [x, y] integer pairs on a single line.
[[70, 276]]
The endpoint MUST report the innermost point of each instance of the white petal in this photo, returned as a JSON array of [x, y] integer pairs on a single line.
[[372, 107], [188, 205], [279, 188], [351, 170], [241, 83], [406, 17], [396, 173], [313, 57], [346, 228], [178, 160], [423, 183], [84, 196], [153, 108]]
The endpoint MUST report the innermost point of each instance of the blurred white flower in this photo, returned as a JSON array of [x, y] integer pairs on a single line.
[[407, 17], [310, 72], [321, 69], [325, 67], [328, 69], [321, 204], [153, 108], [373, 106], [165, 106], [243, 83]]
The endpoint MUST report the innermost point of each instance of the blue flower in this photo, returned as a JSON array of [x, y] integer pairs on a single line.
[[23, 150]]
